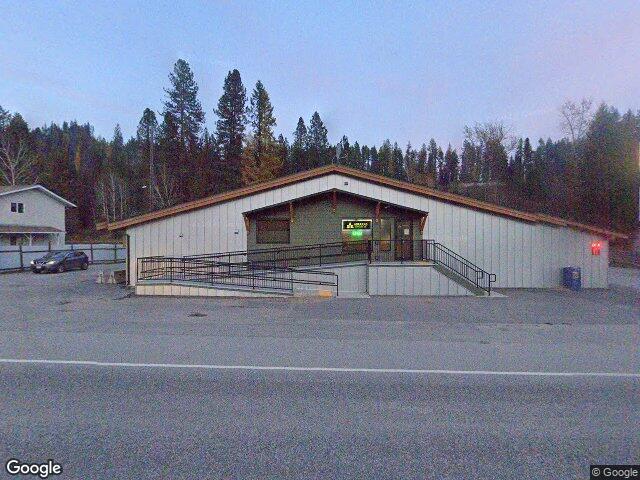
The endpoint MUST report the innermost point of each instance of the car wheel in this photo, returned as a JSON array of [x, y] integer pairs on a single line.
[[85, 265], [60, 268]]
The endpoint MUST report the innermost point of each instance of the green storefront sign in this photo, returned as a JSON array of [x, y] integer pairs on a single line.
[[357, 224]]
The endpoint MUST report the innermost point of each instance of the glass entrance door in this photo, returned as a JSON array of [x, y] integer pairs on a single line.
[[404, 240]]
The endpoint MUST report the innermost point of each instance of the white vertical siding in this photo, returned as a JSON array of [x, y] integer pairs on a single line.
[[411, 281], [521, 254]]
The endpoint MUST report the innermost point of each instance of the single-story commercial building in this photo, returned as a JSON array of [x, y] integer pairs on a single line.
[[344, 231]]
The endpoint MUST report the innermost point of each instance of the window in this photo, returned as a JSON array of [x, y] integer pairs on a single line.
[[385, 234], [17, 207], [13, 240], [20, 208], [274, 230]]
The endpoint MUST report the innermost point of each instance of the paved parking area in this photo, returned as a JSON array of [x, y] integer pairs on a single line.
[[61, 315], [74, 298], [538, 384]]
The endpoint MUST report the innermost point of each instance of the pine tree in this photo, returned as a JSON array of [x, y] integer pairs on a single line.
[[5, 116], [230, 126], [527, 158], [298, 152], [283, 153], [385, 158], [262, 159], [261, 118], [451, 165], [355, 157], [343, 151], [411, 163], [147, 137], [317, 145], [366, 158], [374, 162], [468, 169], [184, 107], [517, 168], [168, 151], [397, 164], [422, 160], [443, 177]]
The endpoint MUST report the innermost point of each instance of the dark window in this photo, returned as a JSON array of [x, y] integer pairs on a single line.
[[20, 208], [385, 234], [14, 207], [13, 240], [274, 230]]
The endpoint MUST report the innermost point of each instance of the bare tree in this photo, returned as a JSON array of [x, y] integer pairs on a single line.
[[493, 141], [112, 195], [16, 161], [482, 134], [165, 186], [576, 118]]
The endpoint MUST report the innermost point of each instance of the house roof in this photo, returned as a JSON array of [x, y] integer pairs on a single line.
[[357, 174], [8, 189], [28, 229]]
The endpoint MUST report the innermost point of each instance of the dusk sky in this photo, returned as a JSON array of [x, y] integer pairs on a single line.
[[407, 71]]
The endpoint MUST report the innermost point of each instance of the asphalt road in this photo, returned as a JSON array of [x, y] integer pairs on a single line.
[[165, 421]]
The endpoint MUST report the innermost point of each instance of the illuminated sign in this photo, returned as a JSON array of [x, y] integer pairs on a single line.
[[357, 224], [595, 248]]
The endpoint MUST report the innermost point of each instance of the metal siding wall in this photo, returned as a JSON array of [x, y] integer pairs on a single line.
[[520, 253], [411, 281]]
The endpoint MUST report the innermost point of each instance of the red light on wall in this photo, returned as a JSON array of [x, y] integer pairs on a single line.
[[595, 248]]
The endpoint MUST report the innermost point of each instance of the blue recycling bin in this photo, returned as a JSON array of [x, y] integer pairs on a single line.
[[571, 278]]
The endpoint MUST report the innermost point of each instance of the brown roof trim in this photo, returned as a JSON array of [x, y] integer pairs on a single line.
[[28, 229], [358, 174]]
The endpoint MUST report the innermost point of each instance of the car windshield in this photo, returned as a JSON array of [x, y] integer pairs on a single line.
[[54, 256]]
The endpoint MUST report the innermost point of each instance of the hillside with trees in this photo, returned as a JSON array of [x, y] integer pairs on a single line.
[[590, 175]]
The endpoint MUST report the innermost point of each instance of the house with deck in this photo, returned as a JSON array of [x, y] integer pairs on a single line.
[[31, 215]]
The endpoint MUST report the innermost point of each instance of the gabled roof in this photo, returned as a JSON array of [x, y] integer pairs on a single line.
[[8, 189], [361, 175]]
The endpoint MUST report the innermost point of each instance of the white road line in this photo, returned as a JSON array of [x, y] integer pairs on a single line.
[[317, 369]]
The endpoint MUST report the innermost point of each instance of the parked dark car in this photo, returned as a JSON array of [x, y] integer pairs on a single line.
[[60, 261]]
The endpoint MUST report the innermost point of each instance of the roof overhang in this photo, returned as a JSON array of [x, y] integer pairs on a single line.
[[28, 229], [340, 191], [360, 175], [44, 190]]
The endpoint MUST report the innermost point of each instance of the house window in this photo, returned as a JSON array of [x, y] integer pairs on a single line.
[[13, 240], [17, 207], [274, 230], [20, 208]]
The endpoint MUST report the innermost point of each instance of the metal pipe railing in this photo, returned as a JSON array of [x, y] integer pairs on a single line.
[[263, 265]]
